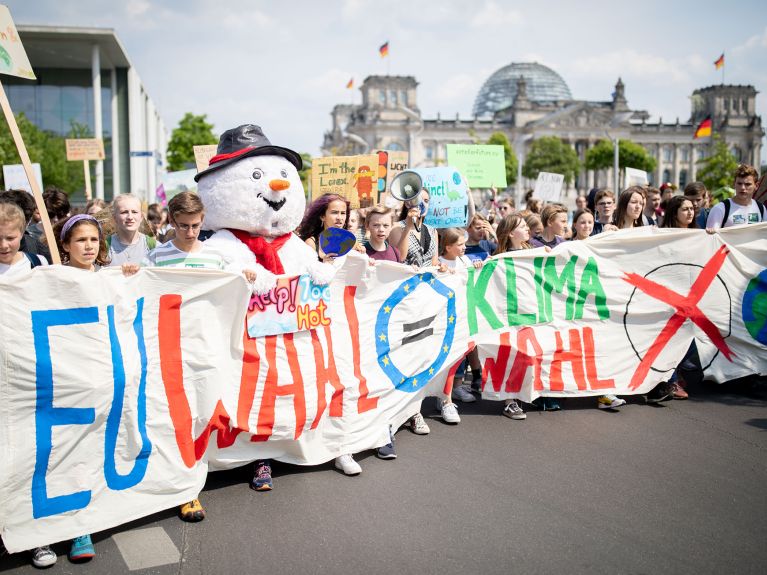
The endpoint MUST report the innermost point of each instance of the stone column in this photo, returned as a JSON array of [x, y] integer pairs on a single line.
[[115, 131], [675, 174], [97, 127], [659, 173]]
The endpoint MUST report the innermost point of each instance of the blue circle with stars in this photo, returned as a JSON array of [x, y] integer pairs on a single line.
[[415, 382]]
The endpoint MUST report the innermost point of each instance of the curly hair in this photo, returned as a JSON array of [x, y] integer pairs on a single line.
[[311, 226], [744, 171]]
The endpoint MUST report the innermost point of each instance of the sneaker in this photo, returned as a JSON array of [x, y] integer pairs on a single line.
[[610, 402], [678, 392], [659, 393], [192, 512], [418, 425], [387, 451], [547, 404], [449, 413], [262, 477], [464, 394], [43, 557], [347, 464], [513, 410], [82, 549]]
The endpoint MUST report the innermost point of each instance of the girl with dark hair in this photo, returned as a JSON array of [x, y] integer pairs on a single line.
[[81, 243], [630, 208], [327, 211], [413, 238], [680, 213]]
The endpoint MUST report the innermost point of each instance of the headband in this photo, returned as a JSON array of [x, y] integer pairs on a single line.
[[78, 218]]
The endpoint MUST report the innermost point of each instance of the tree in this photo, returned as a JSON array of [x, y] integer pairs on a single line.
[[306, 173], [631, 155], [500, 139], [551, 154], [192, 131], [716, 171]]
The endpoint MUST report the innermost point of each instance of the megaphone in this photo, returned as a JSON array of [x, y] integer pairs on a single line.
[[406, 187]]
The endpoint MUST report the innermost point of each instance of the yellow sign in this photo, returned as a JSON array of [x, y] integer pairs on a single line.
[[13, 58], [85, 149], [202, 156], [353, 177]]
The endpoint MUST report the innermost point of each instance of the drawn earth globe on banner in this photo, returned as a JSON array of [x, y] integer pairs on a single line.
[[643, 310], [754, 307], [423, 326]]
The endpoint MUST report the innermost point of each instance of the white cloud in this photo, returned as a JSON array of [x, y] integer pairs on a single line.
[[136, 8], [491, 15], [755, 41]]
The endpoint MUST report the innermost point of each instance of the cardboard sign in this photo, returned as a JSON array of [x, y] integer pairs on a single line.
[[15, 178], [482, 166], [548, 187], [390, 165], [635, 177], [13, 58], [85, 149], [203, 154], [295, 304], [353, 177], [448, 197]]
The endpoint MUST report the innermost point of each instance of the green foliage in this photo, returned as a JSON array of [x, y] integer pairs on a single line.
[[717, 170], [551, 154], [512, 164], [48, 150], [192, 131], [306, 173], [631, 155]]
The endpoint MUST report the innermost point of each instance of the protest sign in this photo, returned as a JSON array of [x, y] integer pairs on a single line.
[[155, 382], [84, 149], [295, 304], [548, 187], [448, 197], [15, 178], [634, 177], [352, 177], [483, 166], [14, 61], [390, 165], [203, 154]]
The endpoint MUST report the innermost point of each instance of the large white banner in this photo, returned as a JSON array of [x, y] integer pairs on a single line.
[[117, 394]]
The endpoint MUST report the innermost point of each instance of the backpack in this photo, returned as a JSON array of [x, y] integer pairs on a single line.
[[34, 260], [762, 210]]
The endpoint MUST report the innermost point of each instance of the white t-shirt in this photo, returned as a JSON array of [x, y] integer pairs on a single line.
[[168, 255], [457, 263], [21, 266], [750, 214]]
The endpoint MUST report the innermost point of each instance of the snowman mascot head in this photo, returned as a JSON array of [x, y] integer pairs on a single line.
[[253, 200]]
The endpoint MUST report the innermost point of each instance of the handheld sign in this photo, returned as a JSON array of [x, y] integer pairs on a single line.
[[14, 61], [390, 165], [635, 177], [203, 154], [351, 177], [482, 166], [15, 178], [337, 241], [85, 150], [448, 197], [548, 187]]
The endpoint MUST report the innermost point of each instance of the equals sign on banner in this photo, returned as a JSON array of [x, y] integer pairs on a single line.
[[422, 325]]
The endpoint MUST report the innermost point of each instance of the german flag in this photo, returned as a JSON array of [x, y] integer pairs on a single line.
[[350, 84], [704, 129], [384, 50], [719, 62]]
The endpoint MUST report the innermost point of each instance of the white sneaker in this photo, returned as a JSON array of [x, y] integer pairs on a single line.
[[347, 464], [43, 557], [449, 412], [418, 425], [610, 402], [513, 410], [463, 393]]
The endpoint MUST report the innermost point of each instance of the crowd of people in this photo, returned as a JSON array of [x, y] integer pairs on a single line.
[[122, 234]]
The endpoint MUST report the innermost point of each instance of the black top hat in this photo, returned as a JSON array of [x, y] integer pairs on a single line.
[[243, 141]]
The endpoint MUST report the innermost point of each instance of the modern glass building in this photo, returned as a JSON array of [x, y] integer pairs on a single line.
[[87, 85]]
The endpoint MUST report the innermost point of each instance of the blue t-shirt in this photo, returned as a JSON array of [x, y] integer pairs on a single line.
[[481, 251], [538, 242]]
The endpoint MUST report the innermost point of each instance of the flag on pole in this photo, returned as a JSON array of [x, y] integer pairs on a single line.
[[384, 49], [704, 129], [719, 62], [350, 84], [159, 193]]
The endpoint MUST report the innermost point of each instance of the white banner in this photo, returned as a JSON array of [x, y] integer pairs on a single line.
[[117, 394]]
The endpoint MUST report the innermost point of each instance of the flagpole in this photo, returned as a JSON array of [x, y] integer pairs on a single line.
[[723, 63]]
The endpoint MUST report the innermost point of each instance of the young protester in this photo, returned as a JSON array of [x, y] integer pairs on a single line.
[[680, 213], [534, 225], [604, 201], [697, 193], [742, 208], [94, 206], [481, 241], [128, 245], [327, 211], [651, 213], [583, 224], [30, 243], [13, 224], [554, 219], [357, 225], [630, 207]]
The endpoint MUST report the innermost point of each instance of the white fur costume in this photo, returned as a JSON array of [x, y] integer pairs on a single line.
[[263, 196]]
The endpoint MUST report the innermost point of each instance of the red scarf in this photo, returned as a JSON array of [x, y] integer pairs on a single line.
[[265, 252]]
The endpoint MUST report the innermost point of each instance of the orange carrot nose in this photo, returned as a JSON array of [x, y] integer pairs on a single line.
[[279, 185]]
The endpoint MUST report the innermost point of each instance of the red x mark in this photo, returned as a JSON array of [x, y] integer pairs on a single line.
[[686, 308]]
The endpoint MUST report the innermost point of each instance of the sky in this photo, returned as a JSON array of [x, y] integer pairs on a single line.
[[284, 65]]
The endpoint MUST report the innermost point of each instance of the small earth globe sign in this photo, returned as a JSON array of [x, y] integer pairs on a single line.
[[337, 241], [456, 178], [754, 307]]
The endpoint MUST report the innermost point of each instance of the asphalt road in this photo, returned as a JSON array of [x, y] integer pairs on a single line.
[[679, 488]]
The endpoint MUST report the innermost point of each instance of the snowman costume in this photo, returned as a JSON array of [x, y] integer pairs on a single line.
[[253, 200]]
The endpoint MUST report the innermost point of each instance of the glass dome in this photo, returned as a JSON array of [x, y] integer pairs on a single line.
[[500, 89]]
